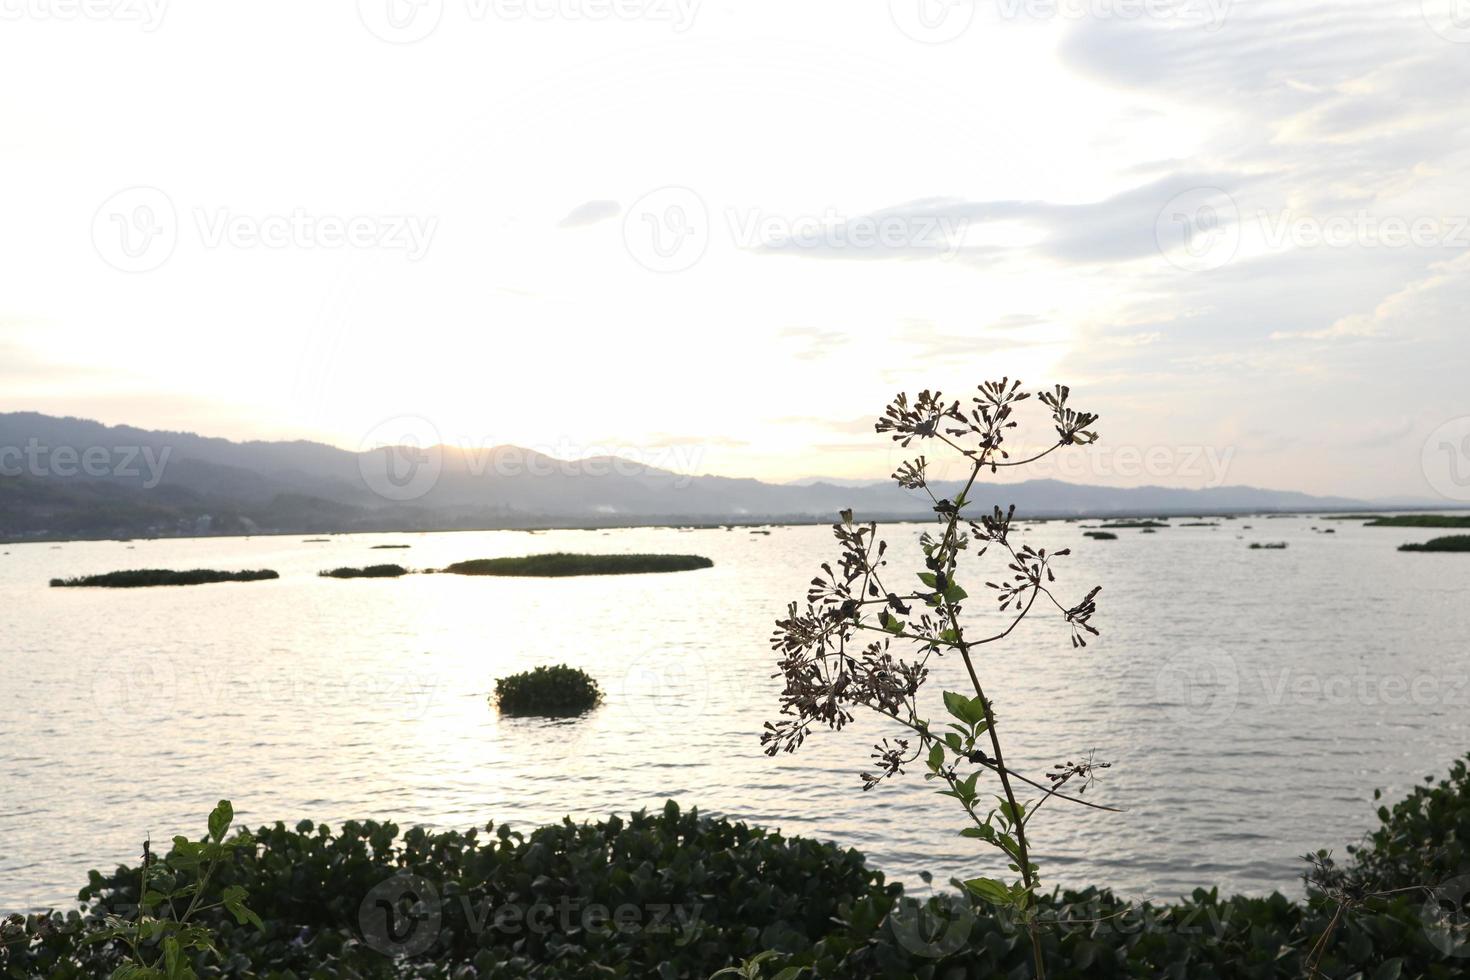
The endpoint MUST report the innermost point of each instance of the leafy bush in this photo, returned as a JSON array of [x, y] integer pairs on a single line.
[[669, 895], [559, 690], [563, 564], [159, 576], [698, 895], [372, 571], [1100, 535], [1454, 542]]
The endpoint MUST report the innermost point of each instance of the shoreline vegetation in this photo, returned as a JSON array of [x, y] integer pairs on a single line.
[[1450, 543], [148, 577], [673, 523], [371, 571], [564, 564], [676, 893]]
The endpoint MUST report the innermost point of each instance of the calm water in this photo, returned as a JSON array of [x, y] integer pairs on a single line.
[[1250, 701]]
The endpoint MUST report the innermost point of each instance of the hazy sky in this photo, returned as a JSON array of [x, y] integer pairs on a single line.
[[722, 235]]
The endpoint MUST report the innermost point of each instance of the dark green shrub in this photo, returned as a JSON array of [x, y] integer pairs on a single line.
[[158, 576], [559, 690], [1100, 535], [372, 571], [1273, 546], [1454, 542], [563, 564], [723, 892], [682, 896]]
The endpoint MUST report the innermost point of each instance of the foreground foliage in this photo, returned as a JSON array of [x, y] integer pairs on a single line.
[[684, 896], [563, 564], [559, 690], [139, 578]]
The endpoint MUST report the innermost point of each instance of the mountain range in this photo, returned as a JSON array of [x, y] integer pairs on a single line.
[[75, 478]]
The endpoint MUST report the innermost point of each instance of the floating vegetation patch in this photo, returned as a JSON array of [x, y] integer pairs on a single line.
[[552, 691], [1420, 520], [1455, 542], [562, 564], [371, 571], [144, 577]]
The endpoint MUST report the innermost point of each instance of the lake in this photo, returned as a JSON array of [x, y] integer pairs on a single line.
[[1249, 700]]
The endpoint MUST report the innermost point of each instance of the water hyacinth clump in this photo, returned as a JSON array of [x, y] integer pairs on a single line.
[[371, 571], [1453, 542], [143, 577], [562, 564], [551, 691]]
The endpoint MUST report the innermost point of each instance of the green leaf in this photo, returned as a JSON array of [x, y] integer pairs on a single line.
[[954, 593], [929, 579], [957, 705], [991, 891], [1390, 970], [220, 820], [936, 757]]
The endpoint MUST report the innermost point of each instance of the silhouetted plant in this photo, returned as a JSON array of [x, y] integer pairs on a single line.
[[836, 649]]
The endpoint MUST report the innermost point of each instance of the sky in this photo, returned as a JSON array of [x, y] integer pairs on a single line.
[[720, 237]]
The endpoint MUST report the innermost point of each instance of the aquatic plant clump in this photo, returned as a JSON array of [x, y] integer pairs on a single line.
[[1421, 520], [551, 691], [1454, 542], [1100, 535], [562, 564], [371, 571], [144, 577]]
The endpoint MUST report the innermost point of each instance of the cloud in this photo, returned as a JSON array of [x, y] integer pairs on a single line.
[[590, 213], [1422, 308]]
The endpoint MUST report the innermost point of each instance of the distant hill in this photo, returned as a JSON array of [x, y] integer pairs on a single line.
[[69, 477]]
